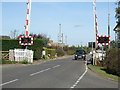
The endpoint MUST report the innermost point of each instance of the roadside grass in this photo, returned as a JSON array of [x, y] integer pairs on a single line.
[[101, 71], [8, 62], [26, 62], [13, 62]]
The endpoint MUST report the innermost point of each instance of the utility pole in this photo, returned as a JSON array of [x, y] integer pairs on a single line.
[[108, 21], [66, 39], [81, 44], [60, 36]]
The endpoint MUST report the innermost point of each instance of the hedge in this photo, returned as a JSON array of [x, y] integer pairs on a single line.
[[112, 61], [14, 43]]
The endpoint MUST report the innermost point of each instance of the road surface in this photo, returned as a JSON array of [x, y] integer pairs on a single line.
[[59, 73]]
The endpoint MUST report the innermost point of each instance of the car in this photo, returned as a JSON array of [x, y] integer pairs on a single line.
[[80, 53], [89, 58], [100, 54]]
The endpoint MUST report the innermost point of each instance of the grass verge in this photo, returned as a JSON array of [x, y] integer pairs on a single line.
[[101, 71]]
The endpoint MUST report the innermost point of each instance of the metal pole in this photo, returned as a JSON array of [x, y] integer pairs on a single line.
[[62, 38], [66, 39], [59, 36], [108, 21], [92, 54], [102, 52]]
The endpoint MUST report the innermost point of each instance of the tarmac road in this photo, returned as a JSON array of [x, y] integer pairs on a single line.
[[59, 73]]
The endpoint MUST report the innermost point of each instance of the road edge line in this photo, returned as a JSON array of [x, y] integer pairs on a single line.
[[9, 82], [86, 69]]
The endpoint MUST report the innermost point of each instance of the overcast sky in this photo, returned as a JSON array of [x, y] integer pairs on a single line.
[[76, 19]]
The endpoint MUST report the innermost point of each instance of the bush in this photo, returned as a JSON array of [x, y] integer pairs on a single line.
[[25, 62], [69, 50], [51, 52], [60, 52], [112, 61]]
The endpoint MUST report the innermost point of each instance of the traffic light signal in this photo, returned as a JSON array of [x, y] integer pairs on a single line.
[[103, 39], [25, 40]]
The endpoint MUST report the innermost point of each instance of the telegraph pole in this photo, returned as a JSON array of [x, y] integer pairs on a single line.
[[108, 21], [62, 38], [66, 39], [59, 36]]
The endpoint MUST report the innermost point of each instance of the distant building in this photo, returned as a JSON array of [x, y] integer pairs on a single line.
[[52, 44], [4, 37]]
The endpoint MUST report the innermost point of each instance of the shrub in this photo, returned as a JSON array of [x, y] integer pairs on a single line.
[[7, 62], [25, 62], [52, 53], [112, 61], [69, 50], [60, 52]]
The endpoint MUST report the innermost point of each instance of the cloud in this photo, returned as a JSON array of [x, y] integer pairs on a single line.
[[78, 25]]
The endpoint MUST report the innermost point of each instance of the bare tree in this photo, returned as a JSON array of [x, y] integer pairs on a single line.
[[14, 34]]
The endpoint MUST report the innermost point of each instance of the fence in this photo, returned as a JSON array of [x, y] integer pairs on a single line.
[[4, 55], [20, 55]]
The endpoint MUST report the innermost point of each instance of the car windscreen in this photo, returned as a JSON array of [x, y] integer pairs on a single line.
[[80, 52]]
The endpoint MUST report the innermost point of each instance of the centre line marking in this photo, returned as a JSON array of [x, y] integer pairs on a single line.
[[9, 82], [56, 66], [80, 76], [40, 71]]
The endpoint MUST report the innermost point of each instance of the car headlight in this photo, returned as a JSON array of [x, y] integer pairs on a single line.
[[75, 55], [83, 55]]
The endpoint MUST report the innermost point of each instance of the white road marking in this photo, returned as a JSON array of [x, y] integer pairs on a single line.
[[44, 70], [80, 76], [9, 82], [40, 71], [56, 66]]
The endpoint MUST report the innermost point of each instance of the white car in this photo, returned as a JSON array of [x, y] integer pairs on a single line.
[[100, 54]]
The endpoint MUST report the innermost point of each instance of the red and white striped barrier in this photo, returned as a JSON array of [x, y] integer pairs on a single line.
[[27, 24], [95, 19]]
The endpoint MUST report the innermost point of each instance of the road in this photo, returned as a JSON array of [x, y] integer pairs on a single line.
[[59, 73]]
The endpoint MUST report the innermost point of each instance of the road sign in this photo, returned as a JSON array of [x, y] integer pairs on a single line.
[[25, 40], [91, 44], [103, 40]]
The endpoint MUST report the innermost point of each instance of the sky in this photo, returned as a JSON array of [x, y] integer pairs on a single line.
[[76, 19]]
